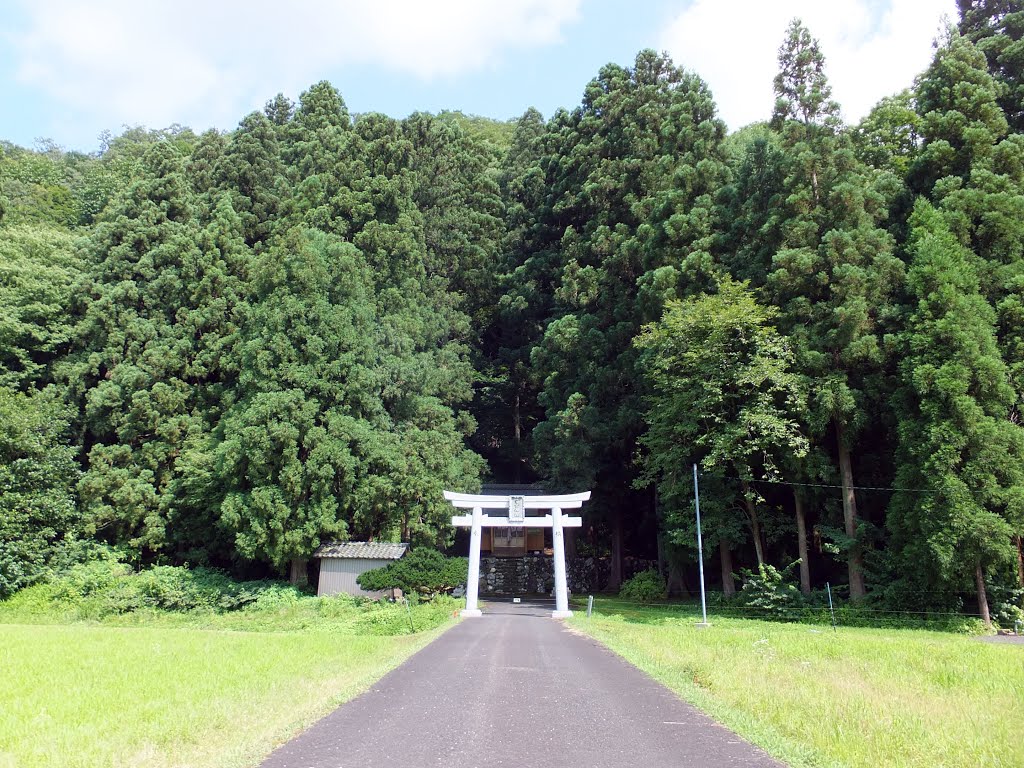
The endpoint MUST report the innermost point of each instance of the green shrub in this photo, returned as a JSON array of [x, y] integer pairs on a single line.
[[644, 587], [767, 594], [105, 589], [105, 586], [1006, 604], [85, 579], [422, 570]]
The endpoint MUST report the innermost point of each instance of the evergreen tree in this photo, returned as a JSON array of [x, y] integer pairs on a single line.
[[158, 308], [630, 186], [505, 401], [997, 28], [974, 171], [459, 199], [802, 91], [955, 440], [351, 357], [834, 274], [251, 171]]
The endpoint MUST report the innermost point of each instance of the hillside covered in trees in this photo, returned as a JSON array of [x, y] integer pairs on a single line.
[[224, 349]]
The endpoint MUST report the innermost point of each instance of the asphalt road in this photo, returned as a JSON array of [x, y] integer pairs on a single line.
[[516, 688], [1007, 639]]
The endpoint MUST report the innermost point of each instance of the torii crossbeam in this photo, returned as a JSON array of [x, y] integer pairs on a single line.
[[515, 516]]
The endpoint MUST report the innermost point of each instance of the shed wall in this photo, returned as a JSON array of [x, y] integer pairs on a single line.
[[339, 575]]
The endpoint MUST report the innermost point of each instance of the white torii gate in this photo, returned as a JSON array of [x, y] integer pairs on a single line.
[[515, 516]]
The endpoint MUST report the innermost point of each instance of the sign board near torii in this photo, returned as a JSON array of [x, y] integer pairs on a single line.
[[515, 515]]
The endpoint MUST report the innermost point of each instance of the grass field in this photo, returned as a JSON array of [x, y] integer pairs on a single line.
[[814, 697], [80, 695]]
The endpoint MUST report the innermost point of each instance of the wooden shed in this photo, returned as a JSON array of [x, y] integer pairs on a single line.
[[341, 564]]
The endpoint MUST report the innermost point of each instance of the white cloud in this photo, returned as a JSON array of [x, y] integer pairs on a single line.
[[873, 48], [206, 61]]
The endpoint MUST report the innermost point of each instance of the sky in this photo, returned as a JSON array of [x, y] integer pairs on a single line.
[[70, 69]]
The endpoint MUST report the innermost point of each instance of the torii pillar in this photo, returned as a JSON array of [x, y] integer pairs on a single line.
[[515, 516]]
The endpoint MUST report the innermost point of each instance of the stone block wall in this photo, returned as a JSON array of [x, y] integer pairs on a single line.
[[534, 574]]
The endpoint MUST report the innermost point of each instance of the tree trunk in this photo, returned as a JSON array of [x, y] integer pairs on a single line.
[[979, 580], [297, 572], [755, 523], [855, 557], [676, 585], [615, 574], [517, 434], [659, 539], [801, 540], [1020, 560], [569, 540], [728, 582]]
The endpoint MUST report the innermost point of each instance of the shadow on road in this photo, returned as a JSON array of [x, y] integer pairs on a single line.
[[540, 607]]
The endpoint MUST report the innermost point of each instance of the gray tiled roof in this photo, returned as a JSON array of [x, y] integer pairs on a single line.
[[362, 550]]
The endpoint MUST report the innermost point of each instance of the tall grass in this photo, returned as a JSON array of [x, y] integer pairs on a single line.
[[814, 697]]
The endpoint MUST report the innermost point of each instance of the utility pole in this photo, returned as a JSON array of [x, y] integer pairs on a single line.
[[700, 552]]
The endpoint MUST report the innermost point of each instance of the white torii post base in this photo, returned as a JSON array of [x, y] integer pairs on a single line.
[[473, 577], [558, 545], [516, 506]]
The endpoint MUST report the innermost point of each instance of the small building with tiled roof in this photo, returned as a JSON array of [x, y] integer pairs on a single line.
[[342, 562]]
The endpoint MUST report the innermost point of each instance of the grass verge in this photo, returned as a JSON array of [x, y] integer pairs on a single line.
[[80, 695], [813, 697]]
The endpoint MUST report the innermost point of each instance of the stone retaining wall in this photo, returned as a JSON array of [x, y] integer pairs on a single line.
[[533, 574]]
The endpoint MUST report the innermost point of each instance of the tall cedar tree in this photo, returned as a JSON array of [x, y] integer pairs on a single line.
[[351, 367], [997, 28], [159, 304], [956, 443], [505, 400], [834, 273], [630, 186], [974, 172]]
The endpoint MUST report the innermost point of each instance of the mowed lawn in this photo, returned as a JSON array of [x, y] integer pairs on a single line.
[[81, 695], [814, 697]]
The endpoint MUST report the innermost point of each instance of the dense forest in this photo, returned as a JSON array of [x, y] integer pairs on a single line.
[[225, 348]]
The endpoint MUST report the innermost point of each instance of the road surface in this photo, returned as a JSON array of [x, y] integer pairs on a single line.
[[516, 688]]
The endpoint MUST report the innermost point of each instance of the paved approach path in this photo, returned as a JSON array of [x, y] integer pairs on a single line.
[[516, 688]]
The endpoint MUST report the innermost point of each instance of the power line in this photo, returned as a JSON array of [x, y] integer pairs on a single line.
[[853, 487]]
